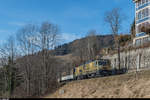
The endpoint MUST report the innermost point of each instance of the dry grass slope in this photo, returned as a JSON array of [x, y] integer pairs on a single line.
[[122, 86]]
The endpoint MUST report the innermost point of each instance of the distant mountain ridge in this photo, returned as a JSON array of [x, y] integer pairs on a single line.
[[103, 40]]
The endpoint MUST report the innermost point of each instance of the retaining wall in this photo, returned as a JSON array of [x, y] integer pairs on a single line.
[[134, 59]]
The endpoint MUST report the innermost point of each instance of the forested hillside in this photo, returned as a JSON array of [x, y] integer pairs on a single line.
[[103, 41]]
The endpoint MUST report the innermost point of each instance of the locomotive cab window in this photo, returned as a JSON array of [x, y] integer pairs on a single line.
[[102, 63], [74, 70]]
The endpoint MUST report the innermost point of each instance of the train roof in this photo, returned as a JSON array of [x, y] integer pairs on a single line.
[[93, 61]]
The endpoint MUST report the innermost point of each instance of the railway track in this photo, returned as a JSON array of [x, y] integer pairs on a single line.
[[96, 76]]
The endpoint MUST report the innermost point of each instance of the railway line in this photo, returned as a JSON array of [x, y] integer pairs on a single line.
[[65, 80]]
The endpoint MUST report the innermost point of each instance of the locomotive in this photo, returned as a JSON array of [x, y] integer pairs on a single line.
[[91, 69]]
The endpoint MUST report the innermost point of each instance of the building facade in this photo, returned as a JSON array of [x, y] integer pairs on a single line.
[[142, 20]]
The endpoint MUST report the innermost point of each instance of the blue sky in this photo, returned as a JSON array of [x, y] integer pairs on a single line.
[[74, 17]]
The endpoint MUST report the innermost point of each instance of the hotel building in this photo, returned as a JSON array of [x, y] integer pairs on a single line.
[[142, 20]]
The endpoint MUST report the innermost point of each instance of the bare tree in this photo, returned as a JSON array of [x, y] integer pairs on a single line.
[[114, 18], [87, 48], [92, 44], [25, 37], [133, 30], [79, 49], [37, 67], [47, 40], [9, 53], [37, 62]]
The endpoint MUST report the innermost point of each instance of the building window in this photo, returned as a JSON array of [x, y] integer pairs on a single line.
[[139, 3], [144, 27], [146, 39], [139, 28], [147, 12], [136, 4], [139, 15], [143, 2], [136, 16], [138, 42], [143, 13]]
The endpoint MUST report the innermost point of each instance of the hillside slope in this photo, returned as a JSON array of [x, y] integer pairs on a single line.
[[103, 41], [122, 86]]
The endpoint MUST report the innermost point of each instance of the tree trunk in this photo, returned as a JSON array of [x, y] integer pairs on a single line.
[[119, 55]]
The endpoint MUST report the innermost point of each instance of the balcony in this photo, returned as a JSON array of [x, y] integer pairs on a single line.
[[142, 20], [142, 6], [141, 38], [140, 34]]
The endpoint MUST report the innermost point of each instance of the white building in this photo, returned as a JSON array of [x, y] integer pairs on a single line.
[[142, 20]]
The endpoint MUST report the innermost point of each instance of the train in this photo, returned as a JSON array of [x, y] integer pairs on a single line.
[[91, 69]]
